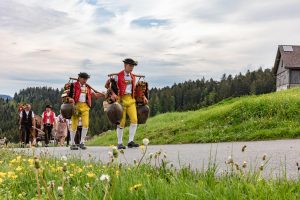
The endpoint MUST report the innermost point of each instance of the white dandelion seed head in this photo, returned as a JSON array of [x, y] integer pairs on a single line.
[[146, 141]]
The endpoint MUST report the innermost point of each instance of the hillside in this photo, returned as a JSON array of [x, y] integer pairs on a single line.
[[269, 116]]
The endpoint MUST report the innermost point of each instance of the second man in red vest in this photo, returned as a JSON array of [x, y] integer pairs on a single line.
[[49, 122]]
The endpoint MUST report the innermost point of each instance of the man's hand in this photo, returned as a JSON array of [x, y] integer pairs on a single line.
[[114, 97], [70, 100], [145, 101]]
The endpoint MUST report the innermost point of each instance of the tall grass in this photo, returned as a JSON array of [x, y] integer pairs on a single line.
[[44, 177]]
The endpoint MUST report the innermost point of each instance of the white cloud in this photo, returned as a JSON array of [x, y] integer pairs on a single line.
[[45, 42]]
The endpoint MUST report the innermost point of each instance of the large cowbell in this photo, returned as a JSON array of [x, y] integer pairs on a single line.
[[67, 110], [114, 113], [143, 112]]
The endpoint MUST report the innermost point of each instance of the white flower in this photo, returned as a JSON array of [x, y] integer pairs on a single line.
[[60, 191], [114, 148], [104, 177], [145, 141], [110, 154], [229, 160], [64, 158]]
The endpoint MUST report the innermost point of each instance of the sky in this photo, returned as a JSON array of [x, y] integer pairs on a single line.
[[43, 43]]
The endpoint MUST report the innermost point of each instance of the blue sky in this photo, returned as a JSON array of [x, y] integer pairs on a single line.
[[45, 42]]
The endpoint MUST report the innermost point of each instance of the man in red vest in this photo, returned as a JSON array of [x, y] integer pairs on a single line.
[[126, 86], [81, 95], [49, 122]]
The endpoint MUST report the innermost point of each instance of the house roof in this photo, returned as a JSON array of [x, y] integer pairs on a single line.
[[290, 57]]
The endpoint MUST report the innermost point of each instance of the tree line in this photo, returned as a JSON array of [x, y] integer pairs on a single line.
[[190, 95]]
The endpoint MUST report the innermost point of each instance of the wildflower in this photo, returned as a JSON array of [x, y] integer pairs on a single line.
[[229, 160], [87, 186], [64, 158], [1, 162], [122, 151], [135, 187], [104, 177], [79, 170], [115, 152], [64, 169], [264, 157], [1, 180], [2, 174], [60, 191], [244, 164], [30, 161], [150, 155], [52, 184], [37, 162], [237, 166], [145, 141], [117, 173], [110, 154], [244, 148], [261, 167], [142, 147], [19, 169], [90, 174], [165, 155]]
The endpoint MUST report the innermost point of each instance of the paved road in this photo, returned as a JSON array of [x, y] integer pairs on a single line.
[[282, 154]]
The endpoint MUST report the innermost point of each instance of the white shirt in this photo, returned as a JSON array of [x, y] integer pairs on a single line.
[[48, 117], [27, 112], [127, 77], [82, 97]]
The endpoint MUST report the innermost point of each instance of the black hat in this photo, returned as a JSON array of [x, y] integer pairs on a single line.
[[130, 61], [48, 106], [83, 75]]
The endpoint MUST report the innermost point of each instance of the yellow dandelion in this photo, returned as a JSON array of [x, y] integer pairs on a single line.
[[71, 175], [79, 170], [1, 180], [135, 187], [19, 158], [91, 174], [2, 174], [30, 161], [1, 161], [18, 169], [142, 147], [117, 173]]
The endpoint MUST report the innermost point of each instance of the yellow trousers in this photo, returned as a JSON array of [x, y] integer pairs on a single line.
[[129, 108], [81, 110]]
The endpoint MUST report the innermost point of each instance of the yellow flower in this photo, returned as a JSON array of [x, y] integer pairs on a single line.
[[90, 174], [2, 174], [19, 169], [142, 147], [79, 170], [135, 187], [71, 175], [117, 173], [19, 158], [1, 161], [12, 175], [1, 180], [30, 161]]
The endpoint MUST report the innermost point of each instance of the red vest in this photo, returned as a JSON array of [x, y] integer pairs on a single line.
[[122, 84], [77, 91], [51, 117]]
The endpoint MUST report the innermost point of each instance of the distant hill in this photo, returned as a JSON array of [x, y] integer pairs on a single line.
[[3, 96]]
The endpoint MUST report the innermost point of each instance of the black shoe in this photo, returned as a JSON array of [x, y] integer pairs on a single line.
[[81, 146], [73, 147], [121, 146], [132, 144]]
